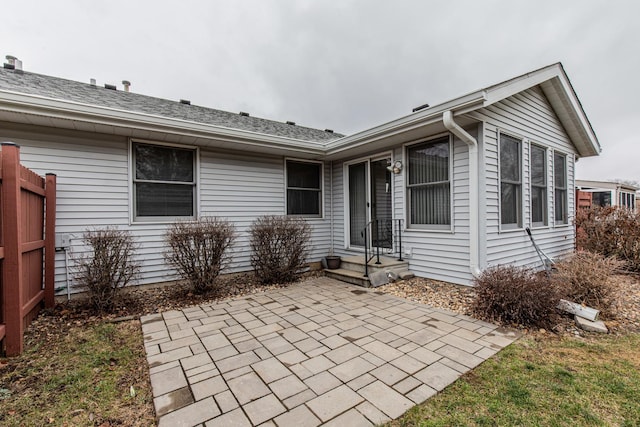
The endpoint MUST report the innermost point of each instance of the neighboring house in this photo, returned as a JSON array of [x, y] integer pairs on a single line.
[[465, 177], [609, 193]]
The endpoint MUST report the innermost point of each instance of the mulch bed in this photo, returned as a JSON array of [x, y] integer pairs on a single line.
[[458, 299], [140, 301]]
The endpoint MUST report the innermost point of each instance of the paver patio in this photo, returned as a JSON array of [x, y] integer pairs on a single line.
[[320, 352]]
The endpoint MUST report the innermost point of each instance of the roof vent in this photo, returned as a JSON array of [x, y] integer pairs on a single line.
[[422, 107], [126, 84], [111, 87], [92, 82], [329, 130], [291, 123], [244, 114], [185, 102], [11, 63]]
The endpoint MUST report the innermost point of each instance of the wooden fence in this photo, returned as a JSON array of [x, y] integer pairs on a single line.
[[583, 199], [27, 246]]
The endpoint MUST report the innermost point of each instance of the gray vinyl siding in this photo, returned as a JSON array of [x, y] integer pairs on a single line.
[[440, 255], [526, 115], [444, 255], [93, 191]]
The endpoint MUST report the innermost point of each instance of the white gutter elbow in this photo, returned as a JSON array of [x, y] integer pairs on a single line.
[[474, 217]]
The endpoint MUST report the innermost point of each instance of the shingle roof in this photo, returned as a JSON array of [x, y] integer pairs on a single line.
[[63, 89]]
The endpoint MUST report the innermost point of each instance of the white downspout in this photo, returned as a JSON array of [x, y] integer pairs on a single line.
[[331, 247], [474, 217]]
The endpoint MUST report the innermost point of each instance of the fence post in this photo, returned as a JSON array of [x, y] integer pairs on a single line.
[[50, 240], [12, 266]]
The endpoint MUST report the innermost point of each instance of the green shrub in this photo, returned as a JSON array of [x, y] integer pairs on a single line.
[[586, 278], [516, 295], [108, 267], [199, 250], [610, 231], [279, 248]]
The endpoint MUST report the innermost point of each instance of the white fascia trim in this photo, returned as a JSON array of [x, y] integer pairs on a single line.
[[68, 110], [428, 116]]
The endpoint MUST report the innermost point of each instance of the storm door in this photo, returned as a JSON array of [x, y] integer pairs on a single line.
[[369, 203]]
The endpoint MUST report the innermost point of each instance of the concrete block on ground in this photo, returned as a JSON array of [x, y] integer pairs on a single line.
[[406, 274], [588, 325], [378, 278]]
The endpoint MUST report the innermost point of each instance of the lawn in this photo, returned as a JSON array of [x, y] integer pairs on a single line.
[[79, 367], [547, 381], [79, 375]]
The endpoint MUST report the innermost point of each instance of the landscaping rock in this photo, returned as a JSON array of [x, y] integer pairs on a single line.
[[588, 325]]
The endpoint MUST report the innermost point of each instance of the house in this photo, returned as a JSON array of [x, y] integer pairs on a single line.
[[456, 182], [609, 193]]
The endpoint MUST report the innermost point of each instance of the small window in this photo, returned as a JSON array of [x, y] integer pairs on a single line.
[[164, 181], [429, 184], [510, 182], [560, 188], [304, 188], [538, 185]]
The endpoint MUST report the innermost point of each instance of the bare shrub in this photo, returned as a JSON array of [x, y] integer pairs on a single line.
[[199, 250], [108, 267], [586, 278], [610, 231], [279, 248], [516, 295]]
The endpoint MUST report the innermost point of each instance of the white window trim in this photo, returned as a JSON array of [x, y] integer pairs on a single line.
[[516, 227], [545, 224], [431, 228], [322, 188], [567, 223], [131, 171]]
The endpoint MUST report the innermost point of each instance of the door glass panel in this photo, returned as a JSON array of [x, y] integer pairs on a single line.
[[357, 202], [381, 204]]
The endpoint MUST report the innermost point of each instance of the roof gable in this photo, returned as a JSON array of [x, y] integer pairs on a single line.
[[552, 80], [556, 86]]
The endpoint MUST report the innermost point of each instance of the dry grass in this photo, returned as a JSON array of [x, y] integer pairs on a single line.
[[555, 381], [78, 375]]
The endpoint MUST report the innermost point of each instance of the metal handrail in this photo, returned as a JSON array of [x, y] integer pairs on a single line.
[[377, 254]]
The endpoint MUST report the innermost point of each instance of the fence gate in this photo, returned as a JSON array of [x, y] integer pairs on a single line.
[[27, 246]]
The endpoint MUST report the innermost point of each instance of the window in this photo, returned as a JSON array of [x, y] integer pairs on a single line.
[[510, 182], [601, 198], [429, 186], [560, 187], [538, 185], [164, 181], [304, 188], [627, 200]]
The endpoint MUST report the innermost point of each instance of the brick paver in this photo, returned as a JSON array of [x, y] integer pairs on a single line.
[[315, 353]]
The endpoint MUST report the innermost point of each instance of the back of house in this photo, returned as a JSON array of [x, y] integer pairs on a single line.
[[450, 188]]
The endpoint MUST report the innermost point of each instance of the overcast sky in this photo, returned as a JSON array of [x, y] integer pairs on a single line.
[[344, 64]]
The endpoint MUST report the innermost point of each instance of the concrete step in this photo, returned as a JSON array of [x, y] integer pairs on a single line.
[[356, 263], [349, 276]]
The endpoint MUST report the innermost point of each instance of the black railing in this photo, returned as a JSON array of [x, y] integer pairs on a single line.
[[382, 235]]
